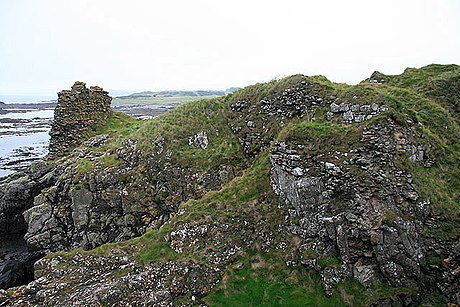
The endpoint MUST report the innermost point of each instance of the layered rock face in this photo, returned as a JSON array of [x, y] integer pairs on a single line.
[[78, 110], [17, 193], [356, 206]]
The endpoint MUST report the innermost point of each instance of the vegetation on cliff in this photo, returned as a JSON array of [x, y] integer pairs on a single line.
[[226, 191]]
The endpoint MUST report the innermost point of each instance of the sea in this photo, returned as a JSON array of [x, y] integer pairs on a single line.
[[25, 122]]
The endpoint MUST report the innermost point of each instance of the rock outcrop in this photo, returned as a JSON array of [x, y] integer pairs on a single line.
[[93, 203], [87, 210], [17, 193], [298, 177], [78, 111], [355, 113], [356, 206]]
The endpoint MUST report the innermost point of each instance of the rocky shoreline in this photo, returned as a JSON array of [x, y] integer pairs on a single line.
[[17, 192], [324, 189], [18, 120], [16, 260]]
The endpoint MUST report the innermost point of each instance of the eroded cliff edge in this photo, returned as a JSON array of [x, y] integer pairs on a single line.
[[262, 188], [79, 112]]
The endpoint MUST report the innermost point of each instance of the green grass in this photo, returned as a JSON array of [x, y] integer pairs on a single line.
[[119, 127], [156, 247], [120, 124], [433, 260], [440, 83], [329, 262], [261, 279], [389, 218], [264, 280], [435, 300], [318, 135], [83, 166], [178, 125]]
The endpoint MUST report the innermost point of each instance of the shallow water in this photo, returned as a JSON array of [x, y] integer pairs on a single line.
[[27, 114], [24, 138]]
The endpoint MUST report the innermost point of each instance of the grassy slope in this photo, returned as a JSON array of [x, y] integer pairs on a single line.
[[264, 279], [428, 96], [178, 125]]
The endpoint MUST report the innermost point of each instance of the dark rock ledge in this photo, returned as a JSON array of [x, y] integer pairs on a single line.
[[78, 110]]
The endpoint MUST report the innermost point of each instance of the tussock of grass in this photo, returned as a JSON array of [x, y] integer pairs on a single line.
[[318, 136], [155, 247], [119, 127]]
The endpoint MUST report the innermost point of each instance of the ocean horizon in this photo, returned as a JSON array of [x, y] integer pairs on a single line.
[[10, 99]]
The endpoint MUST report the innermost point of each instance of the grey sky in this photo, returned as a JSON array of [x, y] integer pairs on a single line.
[[45, 45]]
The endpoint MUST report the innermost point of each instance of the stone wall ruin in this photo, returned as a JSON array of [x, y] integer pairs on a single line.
[[78, 111]]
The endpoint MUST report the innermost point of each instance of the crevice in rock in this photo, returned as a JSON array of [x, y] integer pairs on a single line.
[[16, 261], [17, 193]]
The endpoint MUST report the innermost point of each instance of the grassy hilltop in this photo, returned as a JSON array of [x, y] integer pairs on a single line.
[[244, 212]]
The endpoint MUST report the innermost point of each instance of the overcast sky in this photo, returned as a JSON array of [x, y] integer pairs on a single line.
[[46, 45]]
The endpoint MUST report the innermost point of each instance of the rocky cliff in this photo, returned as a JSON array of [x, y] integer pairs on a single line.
[[298, 191], [17, 193]]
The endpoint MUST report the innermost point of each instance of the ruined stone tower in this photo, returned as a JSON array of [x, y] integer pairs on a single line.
[[78, 111]]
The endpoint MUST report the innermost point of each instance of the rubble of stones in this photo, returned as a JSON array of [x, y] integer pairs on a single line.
[[227, 236], [78, 110], [111, 280], [199, 140], [360, 208], [255, 122], [289, 103], [355, 113]]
